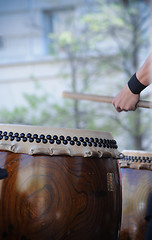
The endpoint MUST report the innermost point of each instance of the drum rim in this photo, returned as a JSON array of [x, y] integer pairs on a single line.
[[11, 139]]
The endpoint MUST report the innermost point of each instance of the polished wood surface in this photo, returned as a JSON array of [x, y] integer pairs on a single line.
[[59, 198], [136, 189]]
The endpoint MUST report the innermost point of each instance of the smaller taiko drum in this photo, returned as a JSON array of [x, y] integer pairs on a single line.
[[136, 175], [62, 184]]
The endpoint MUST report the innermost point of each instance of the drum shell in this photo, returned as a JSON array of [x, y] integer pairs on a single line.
[[136, 190], [59, 197]]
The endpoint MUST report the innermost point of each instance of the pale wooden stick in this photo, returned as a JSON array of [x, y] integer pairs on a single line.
[[98, 98]]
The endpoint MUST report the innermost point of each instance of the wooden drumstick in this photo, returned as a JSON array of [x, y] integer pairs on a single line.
[[98, 98]]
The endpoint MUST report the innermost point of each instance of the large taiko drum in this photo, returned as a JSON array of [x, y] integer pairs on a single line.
[[136, 175], [62, 184]]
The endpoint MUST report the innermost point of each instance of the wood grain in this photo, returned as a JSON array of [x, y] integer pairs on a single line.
[[59, 198], [136, 189]]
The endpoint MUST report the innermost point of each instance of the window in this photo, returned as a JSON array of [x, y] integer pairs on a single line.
[[56, 21], [1, 42]]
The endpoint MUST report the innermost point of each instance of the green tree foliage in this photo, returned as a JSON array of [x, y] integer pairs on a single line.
[[102, 52], [107, 43]]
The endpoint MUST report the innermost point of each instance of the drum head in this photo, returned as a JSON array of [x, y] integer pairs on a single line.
[[56, 141]]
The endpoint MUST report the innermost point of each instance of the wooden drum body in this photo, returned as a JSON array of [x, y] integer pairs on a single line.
[[62, 184], [136, 174]]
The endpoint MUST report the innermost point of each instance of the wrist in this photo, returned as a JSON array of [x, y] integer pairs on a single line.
[[135, 85]]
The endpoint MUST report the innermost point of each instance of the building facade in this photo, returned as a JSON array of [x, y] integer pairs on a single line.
[[25, 46]]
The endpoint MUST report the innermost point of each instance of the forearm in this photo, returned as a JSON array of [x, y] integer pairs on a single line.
[[143, 74], [141, 79], [128, 97]]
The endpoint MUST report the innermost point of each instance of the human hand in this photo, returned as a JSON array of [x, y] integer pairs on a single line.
[[126, 100]]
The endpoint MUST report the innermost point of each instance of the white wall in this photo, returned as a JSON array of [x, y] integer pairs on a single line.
[[23, 53]]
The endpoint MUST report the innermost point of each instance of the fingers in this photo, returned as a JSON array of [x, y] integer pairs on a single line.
[[119, 108], [125, 100]]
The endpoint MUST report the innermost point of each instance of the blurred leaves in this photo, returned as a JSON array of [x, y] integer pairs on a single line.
[[102, 52]]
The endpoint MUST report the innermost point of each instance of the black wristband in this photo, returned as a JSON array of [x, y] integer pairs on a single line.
[[135, 86]]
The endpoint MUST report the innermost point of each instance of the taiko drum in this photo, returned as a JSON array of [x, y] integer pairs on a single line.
[[136, 173], [58, 184]]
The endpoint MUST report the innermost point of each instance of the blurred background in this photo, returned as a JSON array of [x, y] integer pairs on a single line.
[[85, 46]]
